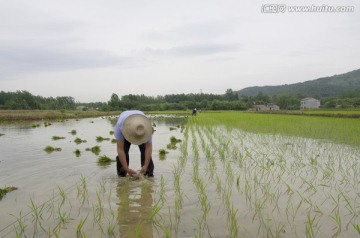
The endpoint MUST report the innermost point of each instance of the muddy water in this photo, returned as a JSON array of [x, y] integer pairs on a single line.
[[41, 177], [230, 183]]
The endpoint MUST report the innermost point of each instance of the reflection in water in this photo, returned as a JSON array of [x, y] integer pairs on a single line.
[[135, 207]]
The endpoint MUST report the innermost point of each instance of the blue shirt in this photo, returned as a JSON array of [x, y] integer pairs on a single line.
[[118, 127]]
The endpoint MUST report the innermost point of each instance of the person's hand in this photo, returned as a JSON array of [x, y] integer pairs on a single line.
[[131, 172], [143, 170]]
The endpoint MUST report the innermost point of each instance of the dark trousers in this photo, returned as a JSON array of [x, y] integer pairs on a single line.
[[121, 172]]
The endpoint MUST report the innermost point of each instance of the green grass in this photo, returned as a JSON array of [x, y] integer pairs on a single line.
[[338, 130]]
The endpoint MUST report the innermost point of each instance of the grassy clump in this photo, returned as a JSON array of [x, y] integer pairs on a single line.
[[163, 152], [46, 124], [95, 149], [77, 152], [174, 140], [50, 149], [4, 191], [58, 137], [171, 146], [104, 160], [100, 138], [79, 141]]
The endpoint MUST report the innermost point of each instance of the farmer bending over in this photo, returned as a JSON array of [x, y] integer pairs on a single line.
[[133, 127]]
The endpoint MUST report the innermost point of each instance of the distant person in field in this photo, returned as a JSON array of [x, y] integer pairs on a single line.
[[194, 112], [133, 127]]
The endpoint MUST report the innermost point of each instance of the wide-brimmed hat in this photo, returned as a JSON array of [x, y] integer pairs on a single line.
[[137, 129]]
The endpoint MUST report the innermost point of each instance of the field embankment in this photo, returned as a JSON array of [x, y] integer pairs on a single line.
[[24, 115], [317, 112]]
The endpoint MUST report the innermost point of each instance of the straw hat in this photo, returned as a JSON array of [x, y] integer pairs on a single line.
[[137, 129]]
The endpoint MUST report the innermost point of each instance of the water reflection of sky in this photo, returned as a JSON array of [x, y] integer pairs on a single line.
[[37, 174]]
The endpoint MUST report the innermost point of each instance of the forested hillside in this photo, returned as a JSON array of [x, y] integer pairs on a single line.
[[322, 87]]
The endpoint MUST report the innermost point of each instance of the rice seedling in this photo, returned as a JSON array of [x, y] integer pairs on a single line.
[[58, 137], [80, 225], [79, 141], [64, 218], [111, 225], [310, 232], [163, 152], [37, 211], [100, 138], [46, 124], [62, 193], [50, 149], [104, 160], [138, 230], [174, 140], [82, 189], [20, 221], [171, 146], [111, 132], [35, 125], [357, 228], [98, 209], [73, 132], [4, 191], [95, 149], [77, 152]]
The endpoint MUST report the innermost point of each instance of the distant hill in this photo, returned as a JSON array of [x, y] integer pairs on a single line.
[[322, 87]]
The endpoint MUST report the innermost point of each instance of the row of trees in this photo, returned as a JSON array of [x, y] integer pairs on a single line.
[[228, 101], [26, 101]]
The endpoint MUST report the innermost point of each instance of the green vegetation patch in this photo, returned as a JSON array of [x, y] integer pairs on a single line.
[[58, 137], [50, 149], [95, 149], [104, 160], [4, 191], [338, 130], [163, 152], [79, 141], [73, 132], [100, 138], [77, 152]]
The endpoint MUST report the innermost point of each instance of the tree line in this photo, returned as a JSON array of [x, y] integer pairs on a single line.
[[23, 100], [228, 101]]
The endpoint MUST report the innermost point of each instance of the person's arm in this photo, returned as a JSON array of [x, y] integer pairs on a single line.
[[148, 152], [122, 158]]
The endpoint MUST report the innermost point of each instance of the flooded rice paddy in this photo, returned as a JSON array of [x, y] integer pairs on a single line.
[[216, 182]]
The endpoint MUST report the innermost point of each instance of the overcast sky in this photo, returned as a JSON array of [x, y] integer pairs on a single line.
[[89, 49]]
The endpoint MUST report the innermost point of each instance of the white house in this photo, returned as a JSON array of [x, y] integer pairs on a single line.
[[309, 103]]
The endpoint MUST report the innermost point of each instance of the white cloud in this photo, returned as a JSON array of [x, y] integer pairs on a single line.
[[162, 47]]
